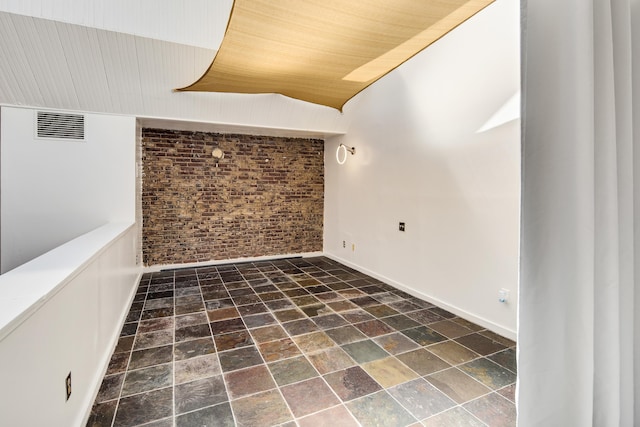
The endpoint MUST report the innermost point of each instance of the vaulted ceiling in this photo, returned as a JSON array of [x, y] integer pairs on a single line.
[[127, 57]]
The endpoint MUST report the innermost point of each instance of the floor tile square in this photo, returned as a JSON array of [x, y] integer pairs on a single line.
[[298, 397], [506, 358], [199, 394], [450, 329], [403, 306], [374, 328], [268, 333], [364, 351], [102, 414], [110, 387], [455, 417], [421, 399], [118, 363], [222, 314], [289, 315], [239, 358], [313, 342], [219, 415], [299, 327], [357, 316], [262, 409], [124, 344], [329, 321], [249, 309], [304, 301], [453, 353], [396, 343], [280, 304], [381, 310], [248, 381], [145, 407], [338, 416], [156, 324], [389, 371], [330, 360], [364, 301], [457, 385], [233, 340], [423, 361], [343, 305], [189, 308], [380, 409], [493, 410], [423, 335], [315, 310], [191, 319], [508, 392], [400, 322], [226, 326], [497, 338], [196, 368], [480, 344], [424, 317], [279, 349], [188, 349], [345, 334], [192, 332], [259, 320], [292, 370], [151, 356], [352, 383], [489, 373], [147, 379]]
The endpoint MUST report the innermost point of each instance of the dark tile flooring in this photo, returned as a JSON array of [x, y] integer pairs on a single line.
[[299, 342]]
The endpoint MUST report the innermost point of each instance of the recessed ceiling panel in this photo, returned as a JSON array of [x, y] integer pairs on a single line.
[[325, 51]]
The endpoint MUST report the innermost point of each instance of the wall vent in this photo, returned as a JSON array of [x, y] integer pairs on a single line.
[[60, 126]]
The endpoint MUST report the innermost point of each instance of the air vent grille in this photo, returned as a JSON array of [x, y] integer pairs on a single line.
[[60, 126]]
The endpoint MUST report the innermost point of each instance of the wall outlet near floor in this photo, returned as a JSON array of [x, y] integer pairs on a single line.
[[68, 385], [401, 226], [344, 243], [503, 295]]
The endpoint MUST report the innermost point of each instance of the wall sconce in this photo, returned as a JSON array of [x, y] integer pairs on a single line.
[[218, 155], [341, 153]]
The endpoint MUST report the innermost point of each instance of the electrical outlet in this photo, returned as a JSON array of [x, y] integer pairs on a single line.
[[68, 385], [401, 226], [344, 243], [503, 295]]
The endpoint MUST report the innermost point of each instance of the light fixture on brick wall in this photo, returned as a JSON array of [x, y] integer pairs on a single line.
[[217, 154], [341, 153]]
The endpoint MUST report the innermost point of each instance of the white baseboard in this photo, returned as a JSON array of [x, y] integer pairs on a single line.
[[154, 268], [485, 323]]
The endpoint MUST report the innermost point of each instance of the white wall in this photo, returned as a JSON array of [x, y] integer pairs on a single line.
[[419, 159], [52, 191], [72, 327]]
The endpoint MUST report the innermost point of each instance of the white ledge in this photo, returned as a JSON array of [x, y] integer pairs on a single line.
[[26, 288]]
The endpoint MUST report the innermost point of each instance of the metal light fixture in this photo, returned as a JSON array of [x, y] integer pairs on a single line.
[[341, 153], [217, 154]]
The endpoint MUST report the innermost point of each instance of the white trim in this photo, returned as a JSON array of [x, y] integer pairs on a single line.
[[155, 268]]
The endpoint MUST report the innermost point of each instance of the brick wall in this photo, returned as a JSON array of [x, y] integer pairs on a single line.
[[266, 197]]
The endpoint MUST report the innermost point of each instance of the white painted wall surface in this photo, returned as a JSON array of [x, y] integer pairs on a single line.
[[73, 326], [419, 159], [52, 191]]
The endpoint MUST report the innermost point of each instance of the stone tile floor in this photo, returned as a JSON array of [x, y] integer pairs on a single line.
[[299, 342]]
